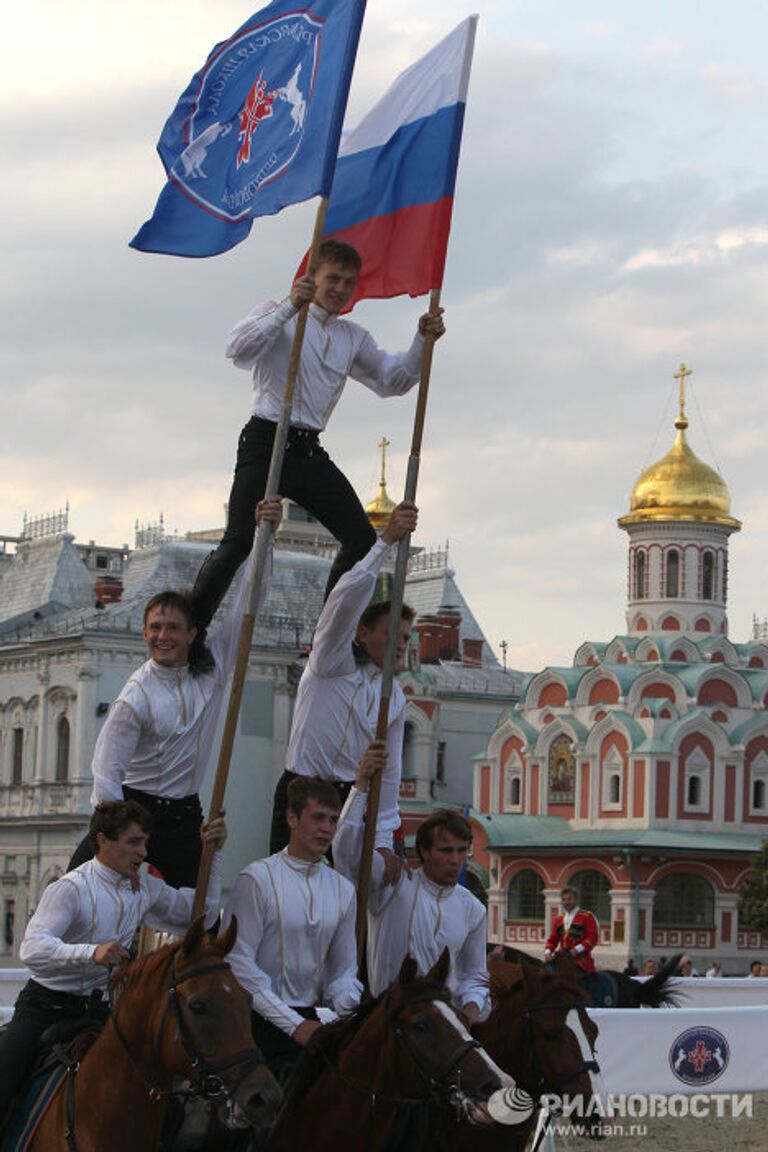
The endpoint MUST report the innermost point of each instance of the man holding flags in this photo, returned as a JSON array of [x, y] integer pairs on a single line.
[[333, 349]]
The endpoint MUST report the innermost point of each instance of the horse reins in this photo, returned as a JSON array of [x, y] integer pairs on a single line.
[[544, 1083], [434, 1079]]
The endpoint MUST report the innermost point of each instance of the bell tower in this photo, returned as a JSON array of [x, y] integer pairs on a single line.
[[678, 524]]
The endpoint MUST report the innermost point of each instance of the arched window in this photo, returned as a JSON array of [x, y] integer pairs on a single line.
[[514, 792], [639, 575], [673, 572], [758, 795], [409, 766], [708, 576], [594, 893], [62, 750], [614, 788], [525, 896], [684, 900]]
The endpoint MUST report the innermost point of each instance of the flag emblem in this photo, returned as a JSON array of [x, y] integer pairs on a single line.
[[250, 130], [699, 1055]]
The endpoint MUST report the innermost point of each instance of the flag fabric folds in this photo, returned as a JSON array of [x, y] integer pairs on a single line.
[[257, 128], [392, 193]]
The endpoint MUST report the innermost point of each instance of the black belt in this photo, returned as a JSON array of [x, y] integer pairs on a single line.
[[66, 1001], [304, 437], [164, 805]]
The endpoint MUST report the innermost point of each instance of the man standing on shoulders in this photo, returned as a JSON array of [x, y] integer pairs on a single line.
[[422, 912], [85, 924], [295, 952], [156, 742], [333, 350], [337, 702], [576, 932]]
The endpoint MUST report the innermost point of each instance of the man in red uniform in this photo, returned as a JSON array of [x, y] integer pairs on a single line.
[[576, 932]]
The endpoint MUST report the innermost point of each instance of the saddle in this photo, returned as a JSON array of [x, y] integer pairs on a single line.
[[60, 1045], [601, 989]]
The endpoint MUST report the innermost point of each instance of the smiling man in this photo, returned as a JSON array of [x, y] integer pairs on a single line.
[[85, 924], [295, 948], [156, 742], [424, 911], [333, 350]]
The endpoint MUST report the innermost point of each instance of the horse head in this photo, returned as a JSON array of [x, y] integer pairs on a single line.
[[200, 1022], [540, 1032]]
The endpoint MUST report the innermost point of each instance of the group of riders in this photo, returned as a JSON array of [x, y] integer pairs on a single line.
[[296, 951]]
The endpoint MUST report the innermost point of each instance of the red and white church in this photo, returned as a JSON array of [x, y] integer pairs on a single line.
[[640, 774]]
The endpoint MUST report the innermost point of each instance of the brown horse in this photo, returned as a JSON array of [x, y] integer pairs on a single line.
[[376, 1080], [539, 1032], [178, 1011], [609, 988]]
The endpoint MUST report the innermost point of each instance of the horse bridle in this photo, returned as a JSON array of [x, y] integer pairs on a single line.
[[207, 1082], [544, 1083], [434, 1079]]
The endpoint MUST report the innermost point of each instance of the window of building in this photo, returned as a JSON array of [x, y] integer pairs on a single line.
[[758, 791], [684, 900], [409, 751], [513, 784], [708, 576], [640, 575], [613, 774], [696, 782], [17, 754], [62, 750], [440, 762], [594, 893], [525, 896], [673, 573], [9, 919]]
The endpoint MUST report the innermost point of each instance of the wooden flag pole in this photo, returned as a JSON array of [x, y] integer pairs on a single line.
[[262, 548], [396, 605]]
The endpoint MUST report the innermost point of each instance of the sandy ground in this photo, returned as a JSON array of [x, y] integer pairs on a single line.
[[689, 1134]]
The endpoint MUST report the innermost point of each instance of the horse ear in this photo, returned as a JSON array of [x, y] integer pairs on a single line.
[[193, 938], [408, 971], [226, 941], [439, 971]]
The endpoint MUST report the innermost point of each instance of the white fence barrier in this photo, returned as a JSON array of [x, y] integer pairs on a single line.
[[682, 1050]]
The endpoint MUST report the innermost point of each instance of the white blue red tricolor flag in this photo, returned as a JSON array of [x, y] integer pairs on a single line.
[[257, 128], [392, 193]]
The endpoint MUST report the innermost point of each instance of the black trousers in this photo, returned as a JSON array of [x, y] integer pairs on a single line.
[[279, 833], [309, 477], [174, 847], [280, 1051], [37, 1009]]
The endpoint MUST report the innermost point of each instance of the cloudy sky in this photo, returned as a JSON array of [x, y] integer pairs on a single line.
[[611, 220]]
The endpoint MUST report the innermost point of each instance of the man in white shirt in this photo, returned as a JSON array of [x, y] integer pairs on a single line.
[[295, 951], [337, 702], [157, 740], [333, 350], [85, 924], [424, 911]]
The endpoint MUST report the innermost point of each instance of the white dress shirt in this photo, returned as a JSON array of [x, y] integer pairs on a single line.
[[415, 917], [333, 349], [295, 938], [93, 905], [337, 702], [160, 730]]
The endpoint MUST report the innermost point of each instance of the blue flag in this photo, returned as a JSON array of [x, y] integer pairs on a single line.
[[257, 128]]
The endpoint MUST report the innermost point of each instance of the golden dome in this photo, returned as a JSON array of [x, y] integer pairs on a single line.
[[680, 486], [382, 506]]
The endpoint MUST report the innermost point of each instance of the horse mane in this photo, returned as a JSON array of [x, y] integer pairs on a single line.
[[128, 976], [328, 1041]]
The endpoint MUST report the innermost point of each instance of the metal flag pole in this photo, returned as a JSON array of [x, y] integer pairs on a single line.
[[263, 533], [396, 605]]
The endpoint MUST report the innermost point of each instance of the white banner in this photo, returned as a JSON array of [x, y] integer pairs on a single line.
[[683, 1050], [694, 992]]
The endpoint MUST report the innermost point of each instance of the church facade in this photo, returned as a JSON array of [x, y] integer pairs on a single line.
[[639, 774]]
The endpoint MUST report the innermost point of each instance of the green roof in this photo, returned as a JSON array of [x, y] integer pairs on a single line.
[[547, 833]]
